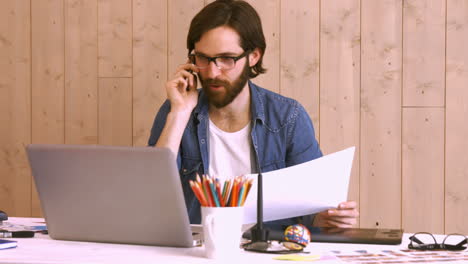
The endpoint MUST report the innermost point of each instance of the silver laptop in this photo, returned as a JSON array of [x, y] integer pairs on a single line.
[[130, 195]]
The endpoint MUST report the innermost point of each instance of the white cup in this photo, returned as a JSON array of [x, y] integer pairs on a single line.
[[222, 231]]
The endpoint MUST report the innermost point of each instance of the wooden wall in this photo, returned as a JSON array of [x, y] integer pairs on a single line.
[[387, 76]]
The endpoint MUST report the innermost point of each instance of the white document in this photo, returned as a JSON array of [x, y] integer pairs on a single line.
[[302, 189]]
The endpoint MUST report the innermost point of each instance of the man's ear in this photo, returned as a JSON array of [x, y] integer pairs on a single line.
[[254, 57]]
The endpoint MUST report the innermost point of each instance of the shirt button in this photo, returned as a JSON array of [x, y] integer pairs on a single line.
[[202, 141]]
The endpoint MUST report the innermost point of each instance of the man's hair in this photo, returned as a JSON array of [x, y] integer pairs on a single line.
[[238, 15]]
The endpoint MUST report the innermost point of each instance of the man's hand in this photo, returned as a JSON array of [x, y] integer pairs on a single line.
[[345, 215], [183, 95], [182, 89]]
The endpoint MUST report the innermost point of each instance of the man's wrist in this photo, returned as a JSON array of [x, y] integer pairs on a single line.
[[179, 115]]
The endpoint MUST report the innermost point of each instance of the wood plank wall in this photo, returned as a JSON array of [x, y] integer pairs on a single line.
[[387, 76]]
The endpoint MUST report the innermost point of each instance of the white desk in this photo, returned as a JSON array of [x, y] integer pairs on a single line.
[[43, 249]]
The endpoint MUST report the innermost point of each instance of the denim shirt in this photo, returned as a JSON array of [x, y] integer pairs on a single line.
[[282, 136]]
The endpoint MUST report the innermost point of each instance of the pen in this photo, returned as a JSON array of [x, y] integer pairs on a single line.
[[17, 234]]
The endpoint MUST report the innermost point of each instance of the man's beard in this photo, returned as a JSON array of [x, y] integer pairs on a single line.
[[230, 91]]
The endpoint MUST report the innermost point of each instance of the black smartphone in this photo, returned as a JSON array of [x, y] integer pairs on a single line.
[[194, 76]]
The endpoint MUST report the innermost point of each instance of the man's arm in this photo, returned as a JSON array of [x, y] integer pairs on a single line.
[[173, 130], [170, 123]]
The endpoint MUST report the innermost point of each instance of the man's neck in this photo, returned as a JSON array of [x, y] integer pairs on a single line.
[[234, 116]]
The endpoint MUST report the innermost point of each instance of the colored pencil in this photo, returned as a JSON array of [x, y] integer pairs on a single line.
[[198, 179], [228, 191], [234, 192], [241, 193], [207, 190], [198, 193], [202, 188], [208, 194], [218, 192], [213, 192], [247, 185], [198, 183], [223, 195]]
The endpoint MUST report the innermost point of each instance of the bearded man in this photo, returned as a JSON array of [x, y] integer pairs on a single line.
[[231, 126]]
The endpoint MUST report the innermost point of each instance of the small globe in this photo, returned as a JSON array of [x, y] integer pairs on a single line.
[[299, 234]]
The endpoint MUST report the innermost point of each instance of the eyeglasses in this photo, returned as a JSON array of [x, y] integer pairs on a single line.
[[427, 241], [222, 62]]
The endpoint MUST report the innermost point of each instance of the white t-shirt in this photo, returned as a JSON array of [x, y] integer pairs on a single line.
[[231, 154]]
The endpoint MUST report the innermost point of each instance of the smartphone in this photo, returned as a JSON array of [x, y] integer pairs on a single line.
[[194, 76]]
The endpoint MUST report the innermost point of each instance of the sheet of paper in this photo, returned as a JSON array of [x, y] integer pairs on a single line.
[[366, 256], [302, 189]]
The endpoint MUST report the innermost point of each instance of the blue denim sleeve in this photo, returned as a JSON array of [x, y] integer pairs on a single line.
[[301, 143], [301, 147], [158, 125]]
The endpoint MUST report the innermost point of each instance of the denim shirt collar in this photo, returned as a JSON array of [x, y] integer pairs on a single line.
[[256, 103]]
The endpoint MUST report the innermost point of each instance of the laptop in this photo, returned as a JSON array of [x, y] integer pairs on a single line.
[[130, 195]]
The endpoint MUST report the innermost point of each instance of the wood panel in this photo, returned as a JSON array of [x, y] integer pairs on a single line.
[[150, 65], [340, 81], [115, 38], [81, 72], [269, 12], [300, 55], [15, 107], [47, 76], [48, 72], [115, 111], [423, 185], [424, 52], [180, 13], [380, 178], [456, 172]]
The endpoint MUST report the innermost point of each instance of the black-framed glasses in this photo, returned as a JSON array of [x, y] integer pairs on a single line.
[[222, 62], [427, 241]]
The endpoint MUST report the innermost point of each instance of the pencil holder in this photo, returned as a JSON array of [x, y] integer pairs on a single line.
[[222, 231]]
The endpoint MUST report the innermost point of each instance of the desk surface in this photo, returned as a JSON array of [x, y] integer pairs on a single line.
[[43, 249]]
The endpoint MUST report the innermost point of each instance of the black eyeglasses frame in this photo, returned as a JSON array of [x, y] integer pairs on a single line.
[[213, 59], [436, 246]]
